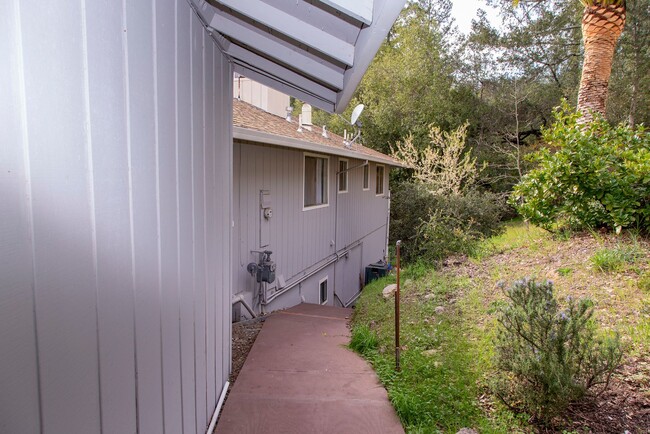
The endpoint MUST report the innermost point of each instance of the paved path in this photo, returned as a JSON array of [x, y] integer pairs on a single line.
[[300, 378]]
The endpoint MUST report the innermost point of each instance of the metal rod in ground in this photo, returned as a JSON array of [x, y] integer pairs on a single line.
[[397, 365]]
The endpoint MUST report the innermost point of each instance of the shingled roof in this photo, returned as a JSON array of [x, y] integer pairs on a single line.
[[256, 125]]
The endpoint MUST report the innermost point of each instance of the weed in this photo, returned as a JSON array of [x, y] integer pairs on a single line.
[[615, 259], [564, 271], [363, 341], [644, 282]]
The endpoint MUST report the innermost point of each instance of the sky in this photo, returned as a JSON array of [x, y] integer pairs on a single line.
[[465, 10]]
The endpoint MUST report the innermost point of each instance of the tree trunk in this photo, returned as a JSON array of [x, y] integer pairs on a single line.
[[601, 28]]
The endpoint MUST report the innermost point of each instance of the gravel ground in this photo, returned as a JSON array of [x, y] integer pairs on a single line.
[[243, 337]]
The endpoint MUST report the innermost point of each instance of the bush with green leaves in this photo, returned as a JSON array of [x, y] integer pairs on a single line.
[[434, 226], [548, 356], [598, 177]]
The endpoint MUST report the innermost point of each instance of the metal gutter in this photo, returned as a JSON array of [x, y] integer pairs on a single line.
[[241, 133]]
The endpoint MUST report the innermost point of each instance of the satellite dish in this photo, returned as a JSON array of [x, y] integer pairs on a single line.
[[356, 113]]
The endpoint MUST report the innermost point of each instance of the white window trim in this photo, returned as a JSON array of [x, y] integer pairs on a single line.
[[383, 180], [326, 294], [324, 205], [366, 169], [347, 178]]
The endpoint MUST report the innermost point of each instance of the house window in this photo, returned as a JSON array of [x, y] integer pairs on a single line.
[[379, 188], [343, 175], [322, 291], [315, 181], [366, 177]]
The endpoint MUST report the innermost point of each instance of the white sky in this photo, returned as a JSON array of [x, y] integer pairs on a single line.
[[465, 10]]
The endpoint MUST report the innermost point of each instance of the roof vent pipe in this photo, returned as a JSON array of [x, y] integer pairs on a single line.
[[299, 123], [306, 116], [289, 109], [324, 133]]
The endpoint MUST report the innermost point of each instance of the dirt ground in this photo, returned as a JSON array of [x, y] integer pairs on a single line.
[[622, 408]]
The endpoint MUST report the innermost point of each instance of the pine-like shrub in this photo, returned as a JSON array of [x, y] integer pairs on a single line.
[[548, 356]]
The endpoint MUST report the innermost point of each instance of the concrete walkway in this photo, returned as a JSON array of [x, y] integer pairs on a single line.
[[300, 378]]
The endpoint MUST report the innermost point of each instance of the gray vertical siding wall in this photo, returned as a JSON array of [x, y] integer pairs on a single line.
[[115, 210], [302, 239]]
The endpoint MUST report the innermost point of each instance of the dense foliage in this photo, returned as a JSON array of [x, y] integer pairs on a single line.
[[547, 356], [598, 177], [436, 226], [502, 80]]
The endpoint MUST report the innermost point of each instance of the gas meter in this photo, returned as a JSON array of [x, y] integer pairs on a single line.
[[264, 271]]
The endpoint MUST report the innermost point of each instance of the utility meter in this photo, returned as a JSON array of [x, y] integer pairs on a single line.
[[264, 271]]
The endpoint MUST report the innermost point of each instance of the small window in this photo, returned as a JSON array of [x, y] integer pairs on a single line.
[[379, 188], [322, 290], [343, 175], [315, 181], [366, 180]]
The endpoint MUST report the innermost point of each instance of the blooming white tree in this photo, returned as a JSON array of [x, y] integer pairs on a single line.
[[446, 166]]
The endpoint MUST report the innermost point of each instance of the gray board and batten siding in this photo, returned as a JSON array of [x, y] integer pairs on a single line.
[[116, 185], [304, 240]]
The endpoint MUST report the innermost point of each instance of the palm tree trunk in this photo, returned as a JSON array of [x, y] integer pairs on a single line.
[[602, 25]]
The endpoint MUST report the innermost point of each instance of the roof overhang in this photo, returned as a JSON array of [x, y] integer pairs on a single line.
[[314, 50], [256, 136]]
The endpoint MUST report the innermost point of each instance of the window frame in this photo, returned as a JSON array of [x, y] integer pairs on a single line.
[[327, 180], [345, 175], [320, 282], [383, 179], [365, 183]]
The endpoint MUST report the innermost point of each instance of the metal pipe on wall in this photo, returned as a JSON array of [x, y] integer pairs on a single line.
[[240, 299], [397, 294]]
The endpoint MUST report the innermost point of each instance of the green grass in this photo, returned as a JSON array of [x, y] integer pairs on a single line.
[[609, 260], [446, 355], [518, 234], [440, 380]]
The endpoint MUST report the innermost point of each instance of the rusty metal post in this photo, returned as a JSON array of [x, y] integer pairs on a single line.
[[397, 366]]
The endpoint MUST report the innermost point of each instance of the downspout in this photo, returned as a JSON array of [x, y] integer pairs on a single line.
[[217, 410], [387, 256]]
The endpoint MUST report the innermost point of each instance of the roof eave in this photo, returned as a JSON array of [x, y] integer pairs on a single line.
[[240, 133], [294, 56]]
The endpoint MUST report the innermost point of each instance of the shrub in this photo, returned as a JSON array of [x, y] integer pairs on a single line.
[[434, 226], [446, 166], [546, 356], [599, 176]]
